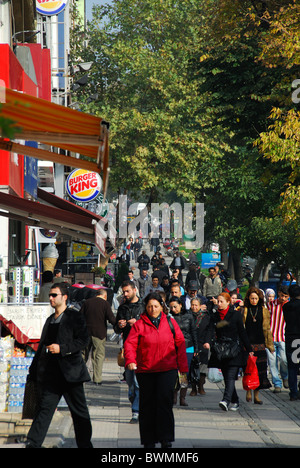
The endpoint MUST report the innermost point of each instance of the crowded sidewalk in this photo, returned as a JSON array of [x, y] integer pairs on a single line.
[[202, 424]]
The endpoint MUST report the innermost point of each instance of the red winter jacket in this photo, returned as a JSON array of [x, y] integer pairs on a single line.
[[153, 349]]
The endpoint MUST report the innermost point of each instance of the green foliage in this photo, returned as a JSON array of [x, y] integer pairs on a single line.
[[141, 56], [199, 100], [241, 89]]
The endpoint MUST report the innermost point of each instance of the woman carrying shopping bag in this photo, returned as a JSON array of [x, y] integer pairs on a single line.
[[256, 318], [227, 339]]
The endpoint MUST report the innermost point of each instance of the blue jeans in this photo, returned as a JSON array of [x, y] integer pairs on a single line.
[[133, 390], [278, 363], [230, 374]]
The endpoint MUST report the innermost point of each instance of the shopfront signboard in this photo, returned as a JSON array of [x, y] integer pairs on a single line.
[[29, 319], [50, 7], [83, 186]]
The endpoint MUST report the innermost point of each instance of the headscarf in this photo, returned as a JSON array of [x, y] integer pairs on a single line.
[[269, 292]]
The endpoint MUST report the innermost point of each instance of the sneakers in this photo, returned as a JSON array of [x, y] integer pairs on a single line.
[[134, 419], [223, 405], [234, 407]]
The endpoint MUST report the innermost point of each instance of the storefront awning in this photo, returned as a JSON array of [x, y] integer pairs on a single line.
[[78, 133], [68, 219]]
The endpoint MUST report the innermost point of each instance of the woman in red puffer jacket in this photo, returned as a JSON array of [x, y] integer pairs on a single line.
[[155, 348]]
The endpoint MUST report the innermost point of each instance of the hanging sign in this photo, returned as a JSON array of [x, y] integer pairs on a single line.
[[83, 185], [50, 7]]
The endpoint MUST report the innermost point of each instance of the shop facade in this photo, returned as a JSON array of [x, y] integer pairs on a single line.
[[31, 218]]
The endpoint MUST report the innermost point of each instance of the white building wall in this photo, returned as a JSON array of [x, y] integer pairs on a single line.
[[5, 22]]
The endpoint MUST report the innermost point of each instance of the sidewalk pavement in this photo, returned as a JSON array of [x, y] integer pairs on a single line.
[[202, 424]]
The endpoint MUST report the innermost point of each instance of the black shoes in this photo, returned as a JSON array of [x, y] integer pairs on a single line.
[[164, 445]]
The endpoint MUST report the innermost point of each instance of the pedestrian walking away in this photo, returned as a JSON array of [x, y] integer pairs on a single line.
[[155, 350], [97, 312], [227, 330], [59, 370]]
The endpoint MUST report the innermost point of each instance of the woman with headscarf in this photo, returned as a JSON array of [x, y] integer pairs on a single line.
[[270, 297]]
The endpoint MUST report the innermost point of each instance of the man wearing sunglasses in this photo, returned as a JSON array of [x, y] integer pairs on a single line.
[[59, 370]]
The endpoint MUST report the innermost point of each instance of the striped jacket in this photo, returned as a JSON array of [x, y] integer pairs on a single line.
[[277, 321]]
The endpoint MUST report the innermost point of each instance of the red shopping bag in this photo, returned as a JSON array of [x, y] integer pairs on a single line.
[[251, 378]]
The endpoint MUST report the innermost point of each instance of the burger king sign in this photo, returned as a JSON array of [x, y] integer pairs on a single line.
[[83, 186], [50, 7]]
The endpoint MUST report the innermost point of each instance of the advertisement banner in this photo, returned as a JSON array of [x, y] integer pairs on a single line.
[[210, 259]]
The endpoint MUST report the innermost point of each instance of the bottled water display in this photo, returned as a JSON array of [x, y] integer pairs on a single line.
[[19, 367]]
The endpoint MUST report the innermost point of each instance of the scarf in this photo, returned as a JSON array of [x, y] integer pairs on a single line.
[[155, 321], [199, 317], [223, 313]]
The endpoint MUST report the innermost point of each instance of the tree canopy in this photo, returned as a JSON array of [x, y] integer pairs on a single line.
[[199, 95]]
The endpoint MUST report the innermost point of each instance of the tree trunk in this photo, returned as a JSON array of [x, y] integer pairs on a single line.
[[237, 264], [266, 272], [257, 271], [224, 253]]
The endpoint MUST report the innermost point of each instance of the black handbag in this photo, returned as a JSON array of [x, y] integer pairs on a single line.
[[30, 401], [226, 348], [194, 372]]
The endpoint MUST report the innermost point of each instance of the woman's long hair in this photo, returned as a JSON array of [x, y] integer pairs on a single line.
[[256, 291]]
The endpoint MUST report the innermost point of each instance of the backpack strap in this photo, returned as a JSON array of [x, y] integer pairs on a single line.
[[172, 330], [171, 326]]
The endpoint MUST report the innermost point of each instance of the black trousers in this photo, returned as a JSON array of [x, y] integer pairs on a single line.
[[50, 395], [156, 419]]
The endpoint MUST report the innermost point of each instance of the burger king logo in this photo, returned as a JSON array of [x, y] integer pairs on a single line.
[[83, 186], [50, 7]]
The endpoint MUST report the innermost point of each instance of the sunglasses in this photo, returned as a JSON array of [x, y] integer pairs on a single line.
[[54, 294]]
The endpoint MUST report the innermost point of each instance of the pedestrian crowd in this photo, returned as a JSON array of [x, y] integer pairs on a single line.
[[221, 330], [174, 334]]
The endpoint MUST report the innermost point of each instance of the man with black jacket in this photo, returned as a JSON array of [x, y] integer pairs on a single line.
[[128, 313], [291, 314], [59, 370]]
